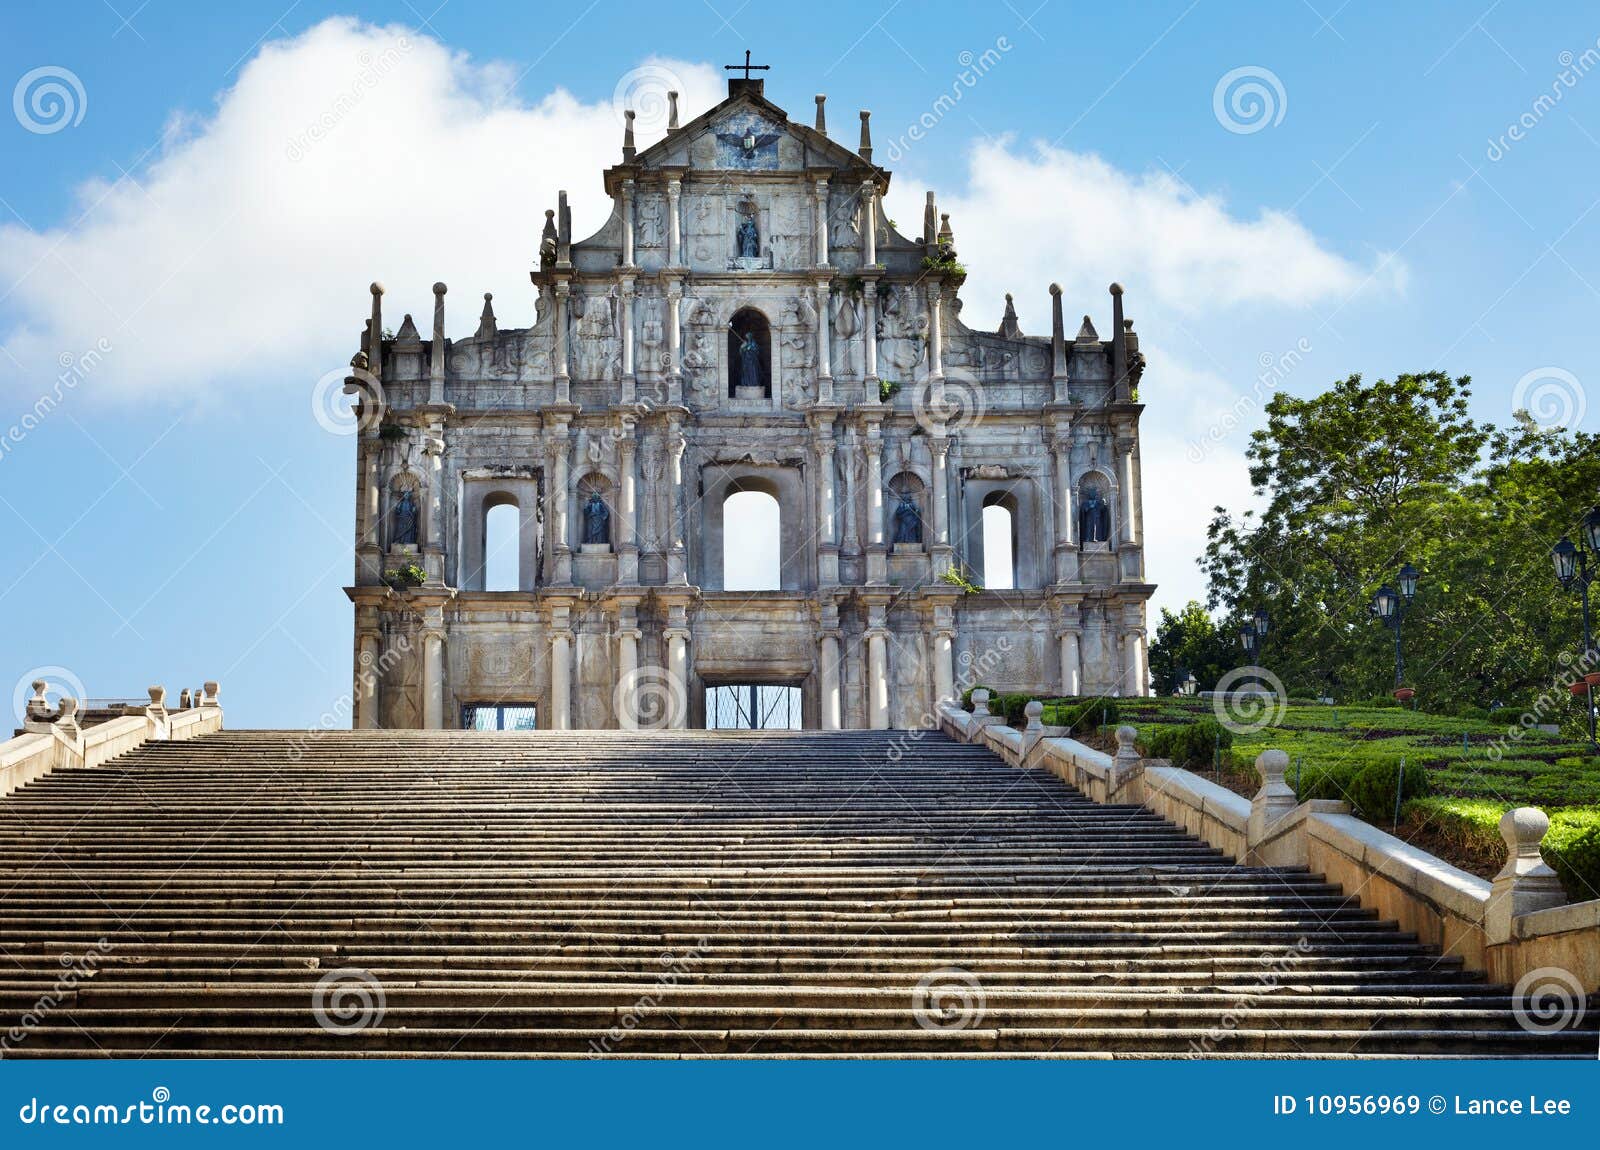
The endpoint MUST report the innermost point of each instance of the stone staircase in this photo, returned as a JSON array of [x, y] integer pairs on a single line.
[[867, 894]]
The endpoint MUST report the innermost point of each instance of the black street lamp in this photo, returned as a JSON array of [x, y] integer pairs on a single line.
[[1390, 606], [1262, 621], [1572, 566], [1248, 638]]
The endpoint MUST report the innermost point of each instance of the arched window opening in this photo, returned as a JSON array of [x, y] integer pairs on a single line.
[[750, 548], [749, 355], [502, 547], [999, 544]]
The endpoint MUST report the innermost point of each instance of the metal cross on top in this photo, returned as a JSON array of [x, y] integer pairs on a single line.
[[747, 67]]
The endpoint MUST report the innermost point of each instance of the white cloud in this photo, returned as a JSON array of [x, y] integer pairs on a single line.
[[350, 153], [1216, 296], [343, 155]]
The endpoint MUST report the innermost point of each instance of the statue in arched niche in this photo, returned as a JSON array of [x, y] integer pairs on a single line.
[[1094, 516], [749, 361], [403, 528], [907, 520], [748, 235], [596, 520]]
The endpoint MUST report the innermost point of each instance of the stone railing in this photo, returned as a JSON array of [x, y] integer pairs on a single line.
[[52, 738], [1515, 926]]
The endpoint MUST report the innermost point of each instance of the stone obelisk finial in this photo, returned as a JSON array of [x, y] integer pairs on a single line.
[[822, 115], [865, 149]]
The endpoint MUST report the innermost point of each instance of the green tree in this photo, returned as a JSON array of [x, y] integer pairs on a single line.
[[1365, 477], [1188, 642]]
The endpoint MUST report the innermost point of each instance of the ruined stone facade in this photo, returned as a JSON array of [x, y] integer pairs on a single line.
[[747, 318]]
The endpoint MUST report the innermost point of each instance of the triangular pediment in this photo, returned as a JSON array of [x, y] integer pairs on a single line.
[[748, 133]]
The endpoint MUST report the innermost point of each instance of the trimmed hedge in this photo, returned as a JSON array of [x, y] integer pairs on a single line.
[[1369, 787], [1204, 744], [1081, 715]]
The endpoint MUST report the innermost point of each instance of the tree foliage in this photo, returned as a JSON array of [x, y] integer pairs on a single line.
[[1354, 482]]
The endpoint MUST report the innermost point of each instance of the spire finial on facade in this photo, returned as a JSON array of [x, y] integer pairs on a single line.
[[436, 372], [628, 150], [864, 150], [822, 116], [672, 111], [547, 239], [1008, 322], [486, 323], [563, 229], [1058, 343]]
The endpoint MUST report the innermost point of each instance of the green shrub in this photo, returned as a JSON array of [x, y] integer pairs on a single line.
[[1378, 701], [1010, 706], [1577, 861], [1371, 789], [1199, 745], [1081, 715]]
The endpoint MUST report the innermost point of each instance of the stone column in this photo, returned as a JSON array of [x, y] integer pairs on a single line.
[[629, 370], [869, 338], [944, 665], [824, 343], [368, 654], [678, 669], [852, 532], [828, 530], [1071, 664], [433, 508], [561, 500], [627, 224], [674, 257], [1131, 685], [433, 671], [677, 559], [832, 698], [822, 224], [1526, 883], [436, 368], [627, 512], [627, 671], [869, 224], [674, 340], [563, 380], [935, 333], [878, 678], [877, 549], [1126, 500], [561, 680], [939, 473]]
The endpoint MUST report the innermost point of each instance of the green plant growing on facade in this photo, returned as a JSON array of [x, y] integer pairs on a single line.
[[887, 389], [400, 578], [957, 577]]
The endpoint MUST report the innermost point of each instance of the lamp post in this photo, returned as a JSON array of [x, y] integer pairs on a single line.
[[1572, 566], [1390, 606]]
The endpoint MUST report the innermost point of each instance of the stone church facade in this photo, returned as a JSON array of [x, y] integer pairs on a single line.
[[747, 319]]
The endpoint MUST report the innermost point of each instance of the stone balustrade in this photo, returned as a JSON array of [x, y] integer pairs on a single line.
[[1510, 928], [52, 738]]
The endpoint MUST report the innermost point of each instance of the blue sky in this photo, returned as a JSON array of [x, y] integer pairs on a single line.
[[180, 514]]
